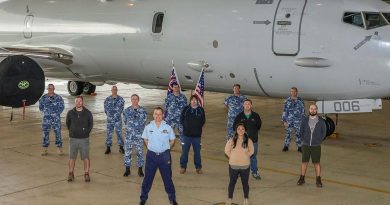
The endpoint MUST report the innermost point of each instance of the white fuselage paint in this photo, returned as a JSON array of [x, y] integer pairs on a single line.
[[113, 41]]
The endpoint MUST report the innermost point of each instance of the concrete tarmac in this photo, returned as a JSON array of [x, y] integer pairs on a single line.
[[355, 167]]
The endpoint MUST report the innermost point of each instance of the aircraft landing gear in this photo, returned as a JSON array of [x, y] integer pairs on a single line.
[[330, 126], [77, 88], [89, 88]]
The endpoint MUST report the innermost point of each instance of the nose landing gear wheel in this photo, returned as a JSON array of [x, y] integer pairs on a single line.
[[330, 126], [75, 87], [89, 88]]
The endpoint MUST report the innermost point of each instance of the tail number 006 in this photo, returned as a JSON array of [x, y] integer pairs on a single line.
[[346, 106]]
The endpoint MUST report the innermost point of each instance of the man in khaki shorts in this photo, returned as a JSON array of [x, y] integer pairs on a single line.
[[313, 131], [79, 122]]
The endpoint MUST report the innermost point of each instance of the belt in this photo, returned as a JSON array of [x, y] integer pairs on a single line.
[[158, 153]]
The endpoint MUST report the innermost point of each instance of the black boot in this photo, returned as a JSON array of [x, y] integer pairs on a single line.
[[174, 202], [301, 180], [127, 172], [140, 172], [121, 150], [108, 150], [142, 202], [318, 182]]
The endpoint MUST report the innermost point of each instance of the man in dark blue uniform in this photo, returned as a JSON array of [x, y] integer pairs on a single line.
[[159, 138]]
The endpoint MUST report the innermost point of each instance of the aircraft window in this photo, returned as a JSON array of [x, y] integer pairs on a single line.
[[374, 20], [387, 16], [157, 22], [354, 18]]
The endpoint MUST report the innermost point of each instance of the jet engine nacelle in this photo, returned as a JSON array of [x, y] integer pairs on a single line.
[[21, 80]]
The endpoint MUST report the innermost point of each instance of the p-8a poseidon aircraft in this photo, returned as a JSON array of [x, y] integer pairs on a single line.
[[337, 52]]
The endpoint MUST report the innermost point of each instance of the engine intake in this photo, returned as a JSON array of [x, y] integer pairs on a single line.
[[21, 78]]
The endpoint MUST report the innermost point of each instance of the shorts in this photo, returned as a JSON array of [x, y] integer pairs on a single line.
[[311, 151], [76, 145]]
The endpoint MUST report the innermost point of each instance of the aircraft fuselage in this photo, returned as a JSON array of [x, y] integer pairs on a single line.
[[266, 47]]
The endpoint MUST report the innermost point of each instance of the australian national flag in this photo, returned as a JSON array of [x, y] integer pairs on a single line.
[[199, 89]]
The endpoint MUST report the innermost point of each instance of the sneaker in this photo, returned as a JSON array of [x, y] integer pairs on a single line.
[[108, 150], [121, 150], [285, 149], [246, 201], [301, 180], [86, 177], [228, 202], [59, 151], [182, 170], [300, 149], [256, 175], [318, 182], [44, 152], [199, 171], [70, 177]]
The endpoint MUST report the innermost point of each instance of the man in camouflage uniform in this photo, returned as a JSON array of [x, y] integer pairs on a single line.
[[113, 107], [174, 104], [51, 105], [293, 113], [234, 105], [135, 120]]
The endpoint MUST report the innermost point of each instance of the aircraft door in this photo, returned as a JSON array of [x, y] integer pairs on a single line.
[[28, 23], [287, 27]]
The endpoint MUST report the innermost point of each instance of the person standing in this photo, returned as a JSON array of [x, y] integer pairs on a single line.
[[192, 118], [79, 122], [233, 104], [293, 112], [51, 105], [252, 122], [159, 138], [113, 107], [239, 149], [135, 120], [313, 132], [174, 104]]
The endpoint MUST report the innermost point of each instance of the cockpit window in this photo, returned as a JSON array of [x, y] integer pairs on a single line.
[[354, 18], [374, 20], [367, 20], [387, 16]]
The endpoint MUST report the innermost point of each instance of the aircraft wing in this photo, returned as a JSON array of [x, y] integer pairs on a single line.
[[53, 54]]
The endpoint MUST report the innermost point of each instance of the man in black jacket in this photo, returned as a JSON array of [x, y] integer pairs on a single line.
[[192, 118], [252, 121], [313, 131], [79, 122]]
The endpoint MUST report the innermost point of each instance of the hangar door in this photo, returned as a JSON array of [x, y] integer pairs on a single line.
[[287, 27]]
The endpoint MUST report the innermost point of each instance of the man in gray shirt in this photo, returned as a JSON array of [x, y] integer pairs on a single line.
[[313, 131]]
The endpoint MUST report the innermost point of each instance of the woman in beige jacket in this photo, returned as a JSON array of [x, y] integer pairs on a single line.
[[239, 149]]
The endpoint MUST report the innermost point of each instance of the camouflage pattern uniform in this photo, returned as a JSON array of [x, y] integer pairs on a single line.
[[52, 107], [235, 106], [135, 120], [293, 113], [113, 107], [174, 105]]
